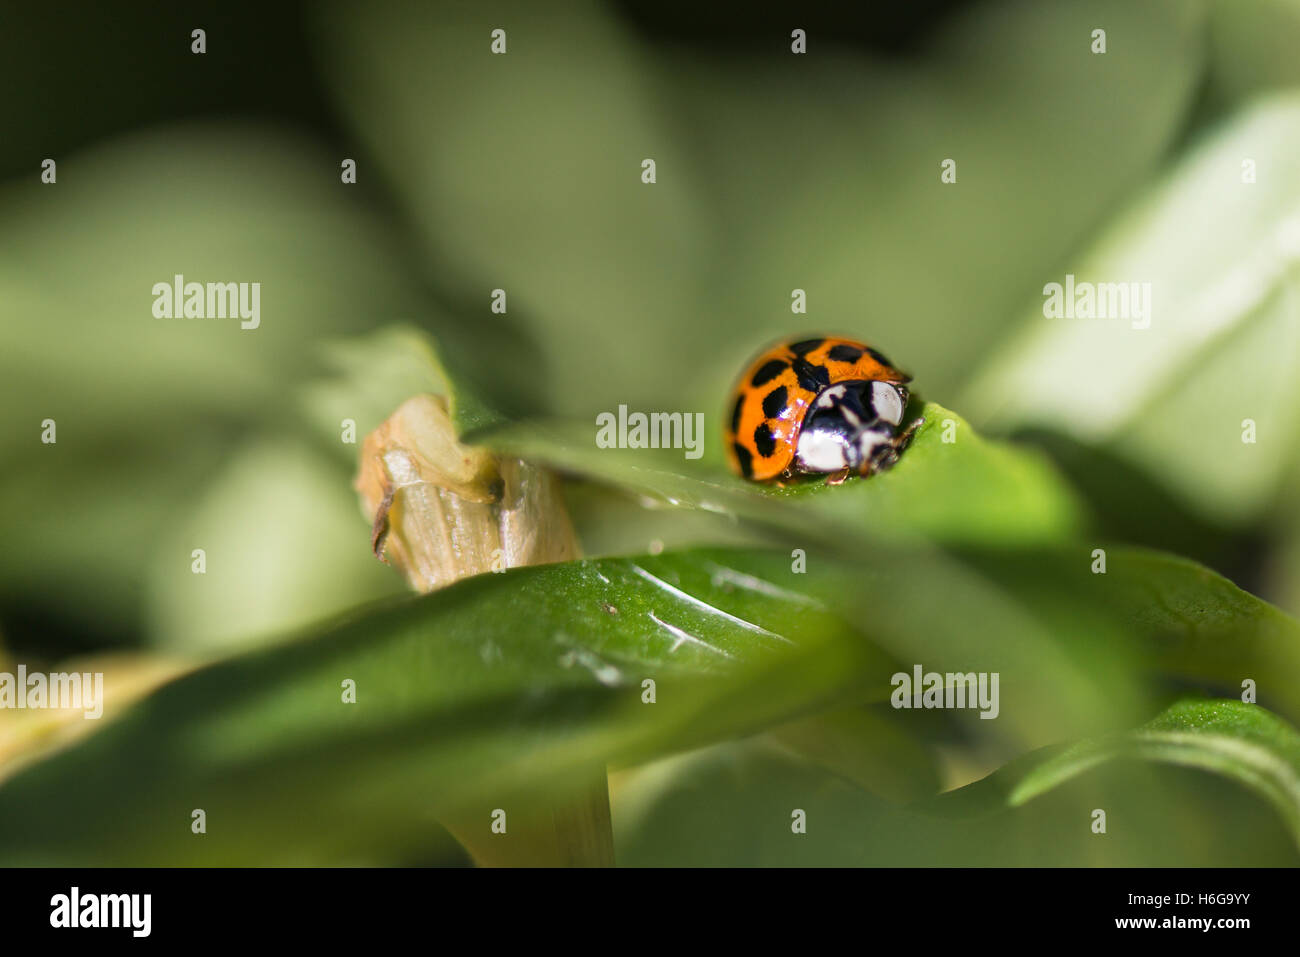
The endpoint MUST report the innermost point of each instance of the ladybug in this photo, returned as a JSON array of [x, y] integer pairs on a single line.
[[824, 406]]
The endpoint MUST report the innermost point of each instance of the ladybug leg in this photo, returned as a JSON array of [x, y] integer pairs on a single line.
[[884, 459], [790, 476], [904, 438], [838, 478], [886, 456]]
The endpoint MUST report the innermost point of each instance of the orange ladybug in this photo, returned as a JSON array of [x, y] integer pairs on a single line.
[[818, 406]]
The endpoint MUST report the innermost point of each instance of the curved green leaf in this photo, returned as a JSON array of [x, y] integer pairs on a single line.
[[456, 704], [736, 804], [1186, 622], [1223, 336], [1242, 741], [950, 486]]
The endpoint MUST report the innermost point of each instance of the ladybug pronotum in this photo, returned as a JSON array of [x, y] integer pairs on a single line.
[[823, 406]]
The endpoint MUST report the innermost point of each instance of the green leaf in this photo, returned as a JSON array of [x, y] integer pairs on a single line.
[[734, 805], [365, 378], [1242, 741], [967, 490], [456, 705], [1186, 621], [1223, 339]]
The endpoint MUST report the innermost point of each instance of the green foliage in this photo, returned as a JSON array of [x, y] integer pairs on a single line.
[[457, 704], [966, 490], [733, 805], [1238, 741], [773, 173], [1223, 340], [772, 659]]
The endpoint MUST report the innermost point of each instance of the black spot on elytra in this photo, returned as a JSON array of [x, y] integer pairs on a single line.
[[764, 440], [735, 414], [769, 371], [880, 357], [811, 377], [774, 402], [805, 347], [745, 459], [845, 354]]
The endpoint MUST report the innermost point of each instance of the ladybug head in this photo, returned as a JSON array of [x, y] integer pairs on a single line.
[[852, 425]]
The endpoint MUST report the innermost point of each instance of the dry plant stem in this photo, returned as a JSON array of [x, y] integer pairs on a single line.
[[441, 511]]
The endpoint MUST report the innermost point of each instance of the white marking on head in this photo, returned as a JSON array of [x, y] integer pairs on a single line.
[[871, 439], [887, 402], [831, 397], [821, 451]]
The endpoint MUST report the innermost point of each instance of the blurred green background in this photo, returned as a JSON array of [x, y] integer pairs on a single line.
[[523, 172]]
